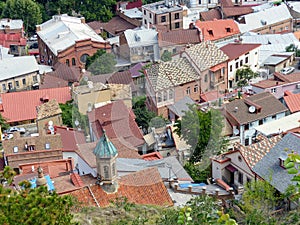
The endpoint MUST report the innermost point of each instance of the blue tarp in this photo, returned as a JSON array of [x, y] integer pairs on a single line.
[[49, 183]]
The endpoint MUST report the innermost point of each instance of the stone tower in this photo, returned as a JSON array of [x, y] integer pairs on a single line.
[[106, 154]]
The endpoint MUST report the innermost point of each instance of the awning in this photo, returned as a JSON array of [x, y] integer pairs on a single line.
[[217, 67], [231, 168]]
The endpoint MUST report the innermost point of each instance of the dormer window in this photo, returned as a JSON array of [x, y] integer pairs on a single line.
[[283, 156], [47, 146], [210, 32], [16, 149], [228, 30]]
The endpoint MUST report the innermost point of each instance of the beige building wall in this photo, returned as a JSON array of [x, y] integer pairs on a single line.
[[23, 82], [43, 123]]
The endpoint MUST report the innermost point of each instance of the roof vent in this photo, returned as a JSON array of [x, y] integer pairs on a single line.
[[236, 109], [263, 22]]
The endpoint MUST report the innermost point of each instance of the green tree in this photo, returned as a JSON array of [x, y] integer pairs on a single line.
[[7, 175], [245, 75], [293, 48], [71, 114], [202, 131], [4, 125], [27, 10], [292, 164], [166, 56], [91, 59], [34, 206], [198, 174], [143, 115], [103, 10], [103, 64]]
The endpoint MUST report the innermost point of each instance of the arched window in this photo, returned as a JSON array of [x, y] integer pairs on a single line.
[[67, 62], [73, 62], [106, 174], [83, 58]]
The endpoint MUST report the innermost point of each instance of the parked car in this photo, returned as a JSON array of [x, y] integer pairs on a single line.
[[7, 136], [287, 70], [33, 38], [15, 129]]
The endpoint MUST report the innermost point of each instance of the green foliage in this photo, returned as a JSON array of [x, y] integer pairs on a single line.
[[166, 56], [27, 10], [7, 175], [4, 125], [245, 75], [34, 206], [70, 114], [143, 115], [292, 164], [202, 130], [91, 59], [103, 64], [198, 174], [293, 48]]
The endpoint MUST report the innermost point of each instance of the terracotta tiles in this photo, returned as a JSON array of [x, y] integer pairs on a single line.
[[152, 156], [143, 187], [75, 178], [70, 137], [293, 102], [234, 50], [178, 37]]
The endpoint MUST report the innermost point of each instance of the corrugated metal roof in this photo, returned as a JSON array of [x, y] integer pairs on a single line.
[[273, 15], [17, 66], [62, 31], [20, 106], [141, 37]]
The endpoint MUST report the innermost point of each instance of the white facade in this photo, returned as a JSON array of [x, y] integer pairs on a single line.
[[247, 132], [250, 59]]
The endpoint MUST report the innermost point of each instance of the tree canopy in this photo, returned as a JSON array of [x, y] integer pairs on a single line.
[[245, 74], [102, 63], [202, 131], [143, 115], [27, 10]]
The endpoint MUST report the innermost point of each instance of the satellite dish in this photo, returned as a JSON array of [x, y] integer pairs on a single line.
[[90, 84], [252, 109], [50, 123], [236, 131]]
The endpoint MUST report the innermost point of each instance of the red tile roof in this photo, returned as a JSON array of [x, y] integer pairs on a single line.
[[211, 15], [152, 156], [279, 79], [293, 102], [218, 28], [142, 187], [118, 122], [67, 73], [235, 50], [21, 106], [178, 37], [226, 3], [70, 138], [76, 180]]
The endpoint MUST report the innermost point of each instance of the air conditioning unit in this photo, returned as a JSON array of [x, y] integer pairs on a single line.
[[298, 86]]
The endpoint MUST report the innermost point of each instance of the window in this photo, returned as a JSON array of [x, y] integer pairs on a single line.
[[163, 19], [273, 90], [47, 146], [159, 97], [4, 87], [240, 158], [16, 149], [10, 86], [176, 16], [237, 65], [274, 117], [196, 88], [24, 81], [17, 84], [174, 50], [240, 178], [83, 58], [188, 91], [165, 96], [145, 21], [247, 126], [113, 169], [150, 15], [248, 179], [210, 32], [170, 94], [73, 62], [255, 53], [241, 63], [246, 141], [34, 78], [286, 28], [228, 29], [31, 147], [67, 62], [237, 78], [199, 2], [177, 25], [205, 78], [230, 68], [246, 59], [106, 174], [144, 12], [260, 122]]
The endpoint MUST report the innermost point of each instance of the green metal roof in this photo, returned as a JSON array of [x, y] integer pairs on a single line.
[[105, 148]]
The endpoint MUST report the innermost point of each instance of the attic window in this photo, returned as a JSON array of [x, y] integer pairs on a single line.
[[16, 149], [210, 32], [228, 29]]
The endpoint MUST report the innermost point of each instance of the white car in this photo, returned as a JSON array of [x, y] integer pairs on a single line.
[[14, 129], [287, 70], [7, 136], [33, 38]]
